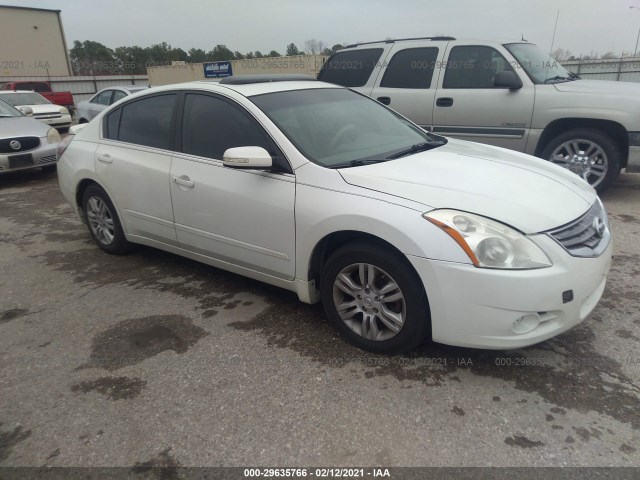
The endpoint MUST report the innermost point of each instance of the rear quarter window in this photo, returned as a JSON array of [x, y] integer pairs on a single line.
[[352, 68]]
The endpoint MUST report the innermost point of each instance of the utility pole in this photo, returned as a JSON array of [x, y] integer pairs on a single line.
[[635, 50]]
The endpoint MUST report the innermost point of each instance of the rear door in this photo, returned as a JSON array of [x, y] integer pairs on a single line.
[[98, 103], [133, 162], [407, 82], [468, 106]]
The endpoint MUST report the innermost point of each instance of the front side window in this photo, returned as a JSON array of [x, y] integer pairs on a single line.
[[411, 68], [212, 125], [102, 98], [118, 95], [350, 69], [333, 126], [144, 122], [474, 67]]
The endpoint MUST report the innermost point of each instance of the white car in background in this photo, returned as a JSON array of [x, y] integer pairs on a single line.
[[88, 109], [43, 110], [402, 234]]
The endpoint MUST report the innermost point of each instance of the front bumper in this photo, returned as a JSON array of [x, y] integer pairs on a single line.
[[42, 156], [502, 309], [61, 121]]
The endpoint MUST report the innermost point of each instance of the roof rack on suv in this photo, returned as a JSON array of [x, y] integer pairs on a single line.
[[246, 79], [392, 40]]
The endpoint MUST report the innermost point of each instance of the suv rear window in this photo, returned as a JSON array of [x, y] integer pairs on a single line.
[[350, 69]]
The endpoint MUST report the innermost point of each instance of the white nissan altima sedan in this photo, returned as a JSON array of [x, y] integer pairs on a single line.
[[401, 234]]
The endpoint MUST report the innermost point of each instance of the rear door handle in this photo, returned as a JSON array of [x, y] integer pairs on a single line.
[[444, 102], [105, 158], [184, 181], [384, 100]]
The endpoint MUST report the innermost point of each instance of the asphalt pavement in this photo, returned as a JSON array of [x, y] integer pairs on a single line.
[[153, 359]]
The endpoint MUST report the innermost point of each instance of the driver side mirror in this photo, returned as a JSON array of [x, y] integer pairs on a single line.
[[507, 80], [28, 111], [247, 157]]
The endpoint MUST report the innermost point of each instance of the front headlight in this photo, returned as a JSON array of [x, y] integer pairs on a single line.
[[489, 244], [64, 111], [53, 136]]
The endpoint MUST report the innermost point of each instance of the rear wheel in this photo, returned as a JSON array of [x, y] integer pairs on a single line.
[[593, 155], [374, 298], [103, 222]]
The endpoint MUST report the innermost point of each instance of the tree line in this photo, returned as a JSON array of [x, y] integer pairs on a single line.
[[94, 58]]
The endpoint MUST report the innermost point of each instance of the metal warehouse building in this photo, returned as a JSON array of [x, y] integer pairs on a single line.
[[32, 42]]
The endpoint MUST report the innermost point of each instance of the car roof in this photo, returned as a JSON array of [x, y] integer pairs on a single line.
[[422, 40], [248, 89]]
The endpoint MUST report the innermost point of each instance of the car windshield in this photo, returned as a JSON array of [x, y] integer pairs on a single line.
[[540, 67], [7, 111], [336, 126], [25, 98]]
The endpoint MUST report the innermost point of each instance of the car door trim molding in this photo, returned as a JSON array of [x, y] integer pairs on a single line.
[[230, 241], [481, 131]]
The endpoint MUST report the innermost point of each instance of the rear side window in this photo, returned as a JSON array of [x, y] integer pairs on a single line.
[[350, 69], [40, 87], [143, 122], [117, 95], [474, 67], [411, 68]]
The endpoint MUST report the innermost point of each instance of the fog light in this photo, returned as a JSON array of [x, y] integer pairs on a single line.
[[526, 323]]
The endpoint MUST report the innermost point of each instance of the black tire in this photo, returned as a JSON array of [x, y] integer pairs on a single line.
[[50, 168], [83, 120], [416, 326], [610, 148], [119, 243], [64, 130]]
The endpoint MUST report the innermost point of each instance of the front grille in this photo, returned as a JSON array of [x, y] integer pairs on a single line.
[[26, 143], [587, 236], [41, 116], [49, 159]]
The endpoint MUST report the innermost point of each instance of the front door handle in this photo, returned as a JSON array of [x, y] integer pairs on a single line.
[[444, 102], [105, 158], [384, 100], [184, 181]]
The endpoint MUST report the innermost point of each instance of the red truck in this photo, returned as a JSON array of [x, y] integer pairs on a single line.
[[64, 99]]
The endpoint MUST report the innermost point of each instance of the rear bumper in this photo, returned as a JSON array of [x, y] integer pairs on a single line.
[[502, 309]]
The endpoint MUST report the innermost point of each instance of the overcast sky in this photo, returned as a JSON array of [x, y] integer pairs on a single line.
[[584, 26]]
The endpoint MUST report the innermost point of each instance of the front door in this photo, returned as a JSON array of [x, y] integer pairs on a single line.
[[468, 106], [243, 217]]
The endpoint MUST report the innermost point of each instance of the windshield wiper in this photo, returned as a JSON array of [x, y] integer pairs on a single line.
[[557, 78], [418, 147], [357, 163]]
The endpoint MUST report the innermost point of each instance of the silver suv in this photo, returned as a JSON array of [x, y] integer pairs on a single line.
[[508, 94]]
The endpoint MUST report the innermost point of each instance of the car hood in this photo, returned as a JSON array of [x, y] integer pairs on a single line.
[[525, 192], [599, 86], [22, 127], [39, 109]]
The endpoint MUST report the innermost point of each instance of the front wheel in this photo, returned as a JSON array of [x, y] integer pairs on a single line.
[[593, 155], [374, 298]]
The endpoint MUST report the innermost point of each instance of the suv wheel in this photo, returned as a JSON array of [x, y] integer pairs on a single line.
[[591, 154], [374, 298]]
